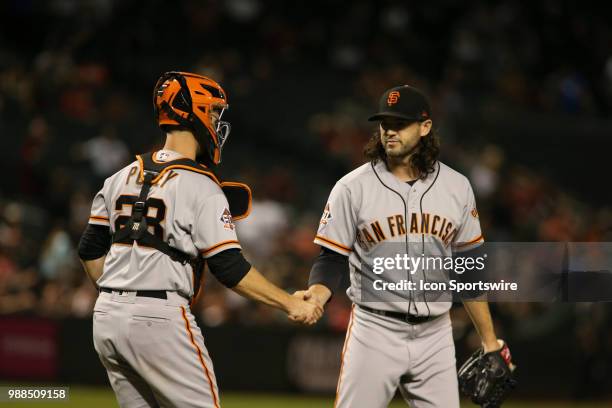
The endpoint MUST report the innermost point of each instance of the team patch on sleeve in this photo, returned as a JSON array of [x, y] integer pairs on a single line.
[[227, 220], [474, 212], [327, 216]]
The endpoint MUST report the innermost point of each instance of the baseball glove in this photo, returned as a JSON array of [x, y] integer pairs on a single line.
[[488, 377]]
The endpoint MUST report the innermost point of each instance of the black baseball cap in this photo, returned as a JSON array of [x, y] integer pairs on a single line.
[[404, 102]]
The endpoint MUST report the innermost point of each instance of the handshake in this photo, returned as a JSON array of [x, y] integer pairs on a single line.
[[306, 306]]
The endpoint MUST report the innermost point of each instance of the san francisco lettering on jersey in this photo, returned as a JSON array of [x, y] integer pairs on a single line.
[[370, 235]]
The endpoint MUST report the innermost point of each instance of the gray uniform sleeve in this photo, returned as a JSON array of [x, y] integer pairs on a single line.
[[99, 214], [469, 235], [337, 226], [214, 230]]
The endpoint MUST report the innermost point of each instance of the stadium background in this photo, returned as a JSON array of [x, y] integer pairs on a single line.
[[522, 95]]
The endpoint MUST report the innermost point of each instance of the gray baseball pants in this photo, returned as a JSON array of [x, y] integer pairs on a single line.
[[382, 354], [153, 351]]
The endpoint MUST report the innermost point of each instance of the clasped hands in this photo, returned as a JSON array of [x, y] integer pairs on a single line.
[[309, 304]]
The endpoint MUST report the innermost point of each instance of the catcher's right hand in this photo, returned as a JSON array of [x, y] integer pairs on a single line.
[[488, 377]]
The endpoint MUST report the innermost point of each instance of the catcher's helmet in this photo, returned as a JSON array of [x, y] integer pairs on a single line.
[[189, 100]]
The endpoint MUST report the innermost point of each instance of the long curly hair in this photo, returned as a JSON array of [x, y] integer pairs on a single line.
[[423, 159]]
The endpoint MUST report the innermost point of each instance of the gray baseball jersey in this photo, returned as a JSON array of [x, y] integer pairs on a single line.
[[151, 346], [371, 214], [186, 209]]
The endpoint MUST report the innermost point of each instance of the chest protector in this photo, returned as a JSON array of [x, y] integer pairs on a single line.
[[151, 172]]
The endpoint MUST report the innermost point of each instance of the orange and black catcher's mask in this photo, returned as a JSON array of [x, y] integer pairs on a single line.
[[197, 103]]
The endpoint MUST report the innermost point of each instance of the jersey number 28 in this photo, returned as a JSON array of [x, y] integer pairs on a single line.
[[158, 206]]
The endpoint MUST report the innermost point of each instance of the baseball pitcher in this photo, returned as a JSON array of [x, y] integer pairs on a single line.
[[403, 201]]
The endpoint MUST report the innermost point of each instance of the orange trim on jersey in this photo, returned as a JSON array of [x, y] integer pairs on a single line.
[[182, 166], [98, 218], [201, 357], [140, 168], [174, 166], [346, 340], [462, 244], [203, 170], [220, 244], [333, 243]]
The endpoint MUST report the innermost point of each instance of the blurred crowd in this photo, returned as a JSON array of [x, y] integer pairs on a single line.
[[75, 107]]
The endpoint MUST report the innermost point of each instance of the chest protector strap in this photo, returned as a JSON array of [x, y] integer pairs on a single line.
[[136, 228], [151, 172]]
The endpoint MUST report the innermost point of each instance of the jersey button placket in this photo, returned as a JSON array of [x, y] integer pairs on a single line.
[[412, 201]]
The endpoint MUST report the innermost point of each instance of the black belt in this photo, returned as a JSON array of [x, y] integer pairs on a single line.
[[159, 294], [404, 317]]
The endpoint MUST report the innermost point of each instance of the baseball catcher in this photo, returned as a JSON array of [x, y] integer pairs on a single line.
[[152, 226]]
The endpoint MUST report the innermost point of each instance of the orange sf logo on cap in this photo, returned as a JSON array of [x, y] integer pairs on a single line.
[[392, 98]]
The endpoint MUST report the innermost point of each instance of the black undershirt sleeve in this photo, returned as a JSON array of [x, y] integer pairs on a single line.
[[229, 266], [328, 269], [469, 276], [95, 242]]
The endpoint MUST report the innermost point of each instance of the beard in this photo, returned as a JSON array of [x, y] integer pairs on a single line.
[[401, 151]]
